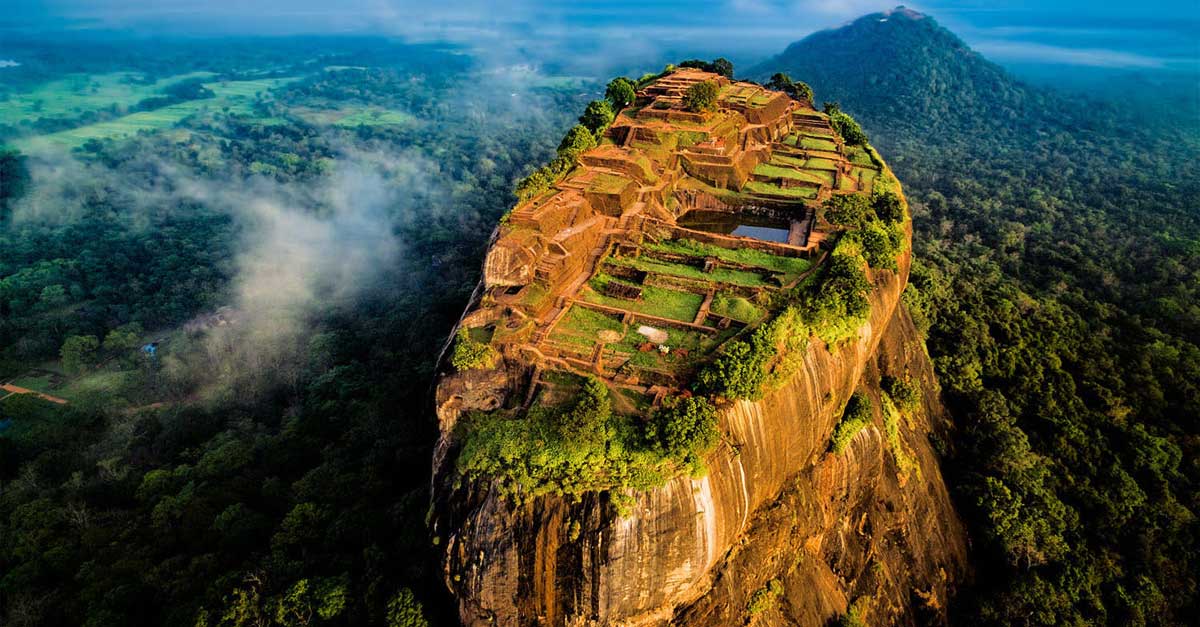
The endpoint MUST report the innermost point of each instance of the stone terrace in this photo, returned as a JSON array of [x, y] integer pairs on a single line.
[[596, 276]]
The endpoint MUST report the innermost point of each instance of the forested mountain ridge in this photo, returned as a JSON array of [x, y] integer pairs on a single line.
[[1058, 262], [904, 67]]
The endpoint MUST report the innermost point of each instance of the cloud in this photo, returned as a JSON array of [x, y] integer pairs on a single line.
[[1008, 50], [304, 250]]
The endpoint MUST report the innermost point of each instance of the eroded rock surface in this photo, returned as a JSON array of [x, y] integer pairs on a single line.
[[871, 524]]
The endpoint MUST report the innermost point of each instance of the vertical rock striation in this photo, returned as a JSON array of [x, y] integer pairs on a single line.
[[775, 504]]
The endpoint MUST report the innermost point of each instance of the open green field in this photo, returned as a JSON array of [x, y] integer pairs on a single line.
[[236, 97], [99, 384], [76, 94]]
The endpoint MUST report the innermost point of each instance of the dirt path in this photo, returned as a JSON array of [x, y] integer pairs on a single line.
[[13, 389]]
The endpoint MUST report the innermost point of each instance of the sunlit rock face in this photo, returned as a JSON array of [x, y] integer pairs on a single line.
[[779, 529]]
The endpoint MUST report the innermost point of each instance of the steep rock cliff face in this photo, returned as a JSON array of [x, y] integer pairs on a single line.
[[774, 504], [854, 526]]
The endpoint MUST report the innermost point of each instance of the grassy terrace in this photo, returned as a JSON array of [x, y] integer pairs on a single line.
[[723, 275], [866, 177], [790, 267], [858, 156], [818, 177], [606, 183], [816, 143], [581, 328], [655, 301], [818, 163], [736, 307], [758, 187]]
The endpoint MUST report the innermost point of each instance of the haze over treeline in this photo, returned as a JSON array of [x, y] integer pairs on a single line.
[[235, 238], [1148, 36]]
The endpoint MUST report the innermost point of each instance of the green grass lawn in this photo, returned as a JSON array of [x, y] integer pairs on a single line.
[[375, 117], [724, 275], [786, 160], [736, 307], [37, 383], [858, 156], [817, 177], [789, 266], [102, 385], [588, 323], [757, 187], [815, 143], [866, 177], [819, 163], [697, 344], [656, 301], [352, 116], [606, 183]]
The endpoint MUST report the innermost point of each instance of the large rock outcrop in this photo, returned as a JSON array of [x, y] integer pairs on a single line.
[[775, 504], [779, 529]]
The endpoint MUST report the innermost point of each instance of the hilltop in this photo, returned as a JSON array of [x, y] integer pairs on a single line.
[[902, 71], [696, 300], [1055, 239]]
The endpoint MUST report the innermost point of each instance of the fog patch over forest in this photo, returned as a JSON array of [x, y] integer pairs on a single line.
[[303, 249]]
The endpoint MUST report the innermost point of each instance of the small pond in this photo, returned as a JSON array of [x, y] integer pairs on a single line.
[[766, 228]]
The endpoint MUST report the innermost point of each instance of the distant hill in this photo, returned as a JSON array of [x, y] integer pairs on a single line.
[[902, 71]]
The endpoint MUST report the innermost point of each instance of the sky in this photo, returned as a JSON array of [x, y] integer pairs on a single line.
[[1150, 34]]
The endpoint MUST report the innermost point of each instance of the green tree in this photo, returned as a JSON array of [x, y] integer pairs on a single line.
[[598, 115], [723, 66], [620, 92], [470, 354], [847, 210], [52, 297], [404, 610], [845, 126], [855, 417], [737, 372], [780, 81], [888, 207], [798, 90], [78, 352], [124, 339], [325, 599], [685, 428], [14, 178], [701, 97], [801, 91], [577, 140]]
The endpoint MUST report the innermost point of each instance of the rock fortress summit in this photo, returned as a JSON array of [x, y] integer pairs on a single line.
[[686, 390]]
